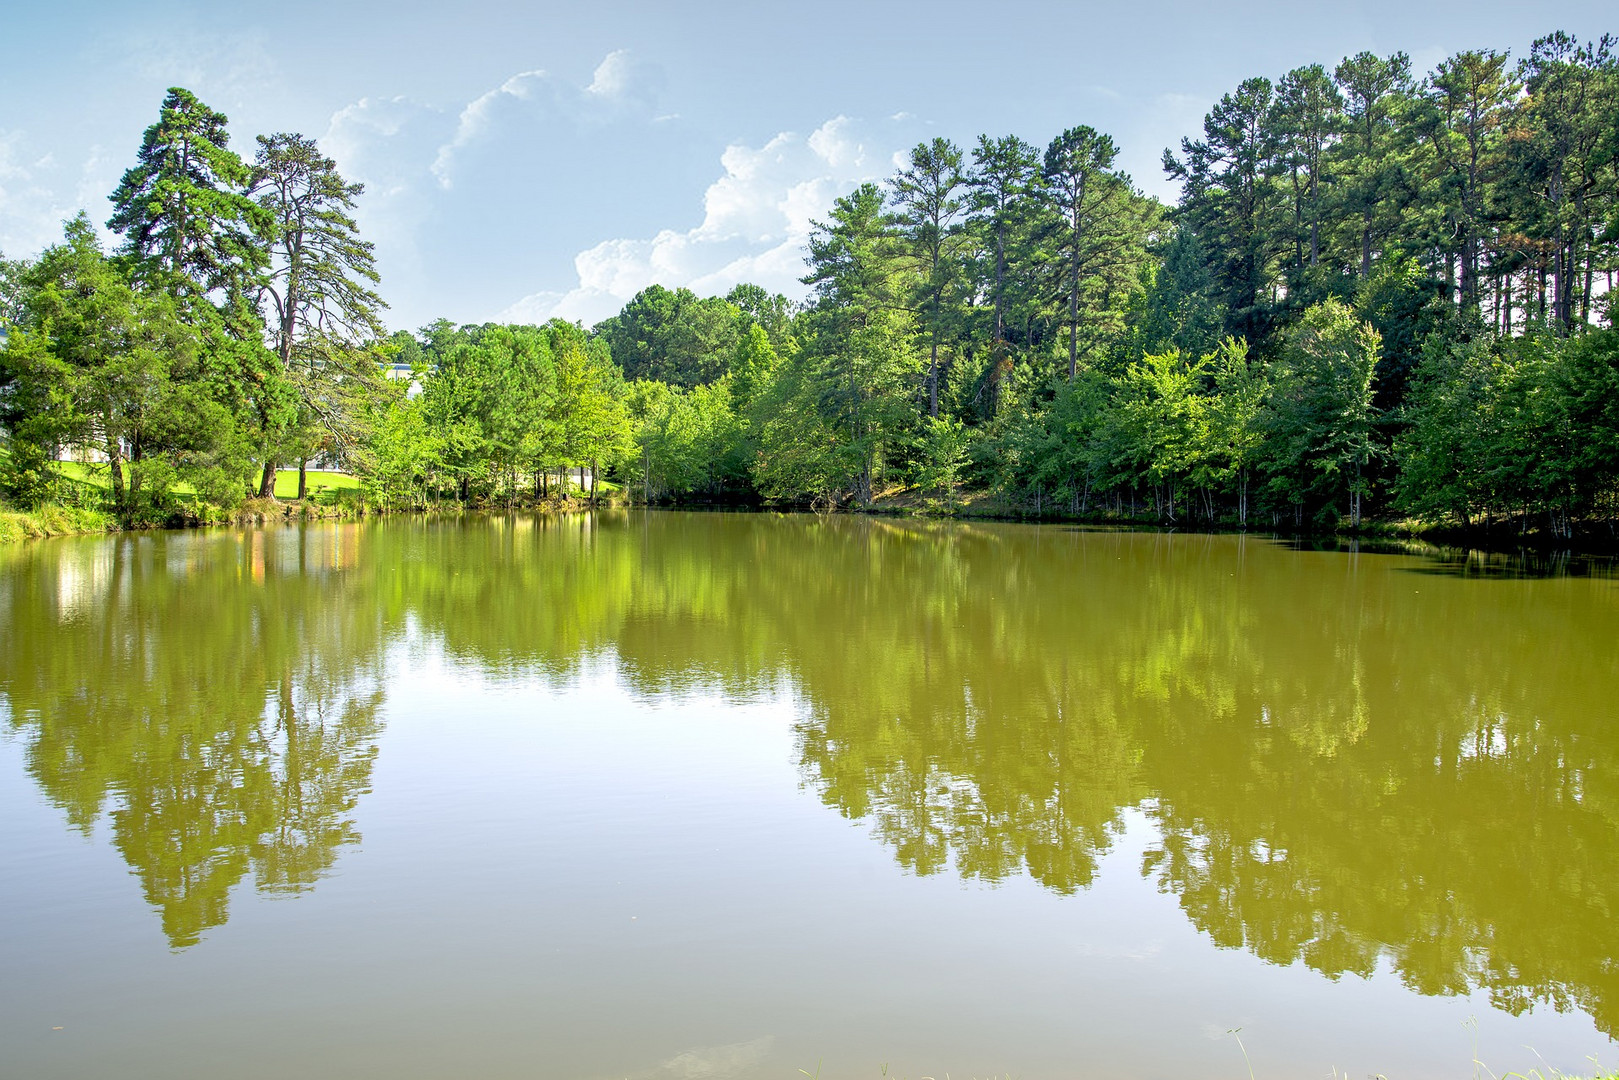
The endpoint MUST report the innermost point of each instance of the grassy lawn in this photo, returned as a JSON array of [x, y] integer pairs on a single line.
[[286, 482], [94, 475]]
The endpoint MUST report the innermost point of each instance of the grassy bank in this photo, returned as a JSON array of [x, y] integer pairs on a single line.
[[52, 521], [330, 496]]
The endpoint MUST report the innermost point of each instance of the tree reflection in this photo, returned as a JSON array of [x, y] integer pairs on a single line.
[[1348, 764], [215, 697]]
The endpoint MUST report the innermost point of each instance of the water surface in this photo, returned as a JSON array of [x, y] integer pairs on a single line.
[[697, 795]]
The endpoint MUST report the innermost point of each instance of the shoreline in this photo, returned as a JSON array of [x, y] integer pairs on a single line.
[[50, 522]]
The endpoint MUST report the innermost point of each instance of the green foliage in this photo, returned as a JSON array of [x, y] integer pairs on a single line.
[[1525, 431], [1178, 309], [324, 319], [511, 403], [101, 366], [691, 442], [675, 337], [1372, 282], [186, 220], [943, 451], [1320, 437], [406, 452], [49, 519], [26, 476]]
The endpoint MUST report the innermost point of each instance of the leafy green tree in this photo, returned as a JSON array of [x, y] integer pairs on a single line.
[[1465, 109], [405, 450], [1001, 185], [1374, 185], [1567, 161], [1442, 451], [675, 337], [1003, 178], [1590, 382], [324, 315], [1100, 232], [1236, 418], [1178, 309], [492, 396], [1229, 199], [944, 446], [186, 223], [771, 312], [1308, 115], [101, 366], [1165, 414], [928, 195], [690, 441], [1406, 305], [1322, 423], [753, 368], [591, 422], [13, 290], [858, 368]]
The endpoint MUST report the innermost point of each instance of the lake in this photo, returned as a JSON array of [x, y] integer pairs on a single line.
[[679, 795]]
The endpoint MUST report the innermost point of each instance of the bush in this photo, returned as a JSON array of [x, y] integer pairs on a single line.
[[27, 479]]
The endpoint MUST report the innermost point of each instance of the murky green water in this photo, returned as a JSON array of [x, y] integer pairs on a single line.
[[679, 795]]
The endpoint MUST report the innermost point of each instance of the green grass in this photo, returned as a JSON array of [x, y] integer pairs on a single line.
[[286, 482], [51, 521]]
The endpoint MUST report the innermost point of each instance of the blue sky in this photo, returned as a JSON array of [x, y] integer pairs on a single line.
[[529, 159]]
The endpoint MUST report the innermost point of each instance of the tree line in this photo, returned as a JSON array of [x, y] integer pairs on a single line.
[[1380, 293]]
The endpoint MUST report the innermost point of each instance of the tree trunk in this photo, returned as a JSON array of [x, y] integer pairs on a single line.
[[115, 463], [267, 481], [303, 479], [1073, 321], [933, 379]]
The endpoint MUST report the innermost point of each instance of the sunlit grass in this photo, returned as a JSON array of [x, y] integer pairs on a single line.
[[286, 480], [318, 480], [51, 520]]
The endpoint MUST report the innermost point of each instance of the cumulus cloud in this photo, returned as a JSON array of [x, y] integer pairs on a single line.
[[618, 84], [387, 144], [757, 218], [439, 179], [475, 119]]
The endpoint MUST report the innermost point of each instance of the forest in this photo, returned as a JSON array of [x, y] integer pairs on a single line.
[[1383, 296]]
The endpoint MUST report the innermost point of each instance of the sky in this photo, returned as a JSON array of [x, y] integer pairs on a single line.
[[524, 160]]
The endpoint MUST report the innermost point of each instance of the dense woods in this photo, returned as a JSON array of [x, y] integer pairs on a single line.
[[1382, 293]]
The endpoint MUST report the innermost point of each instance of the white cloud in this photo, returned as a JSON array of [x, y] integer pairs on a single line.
[[612, 75], [475, 118], [757, 218], [618, 84], [385, 143]]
